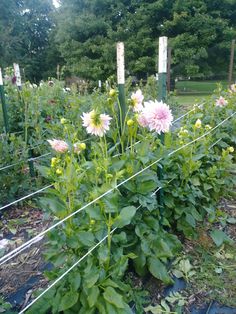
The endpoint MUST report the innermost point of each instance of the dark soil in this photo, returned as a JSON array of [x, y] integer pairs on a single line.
[[22, 275]]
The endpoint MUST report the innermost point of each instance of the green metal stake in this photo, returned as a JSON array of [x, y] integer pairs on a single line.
[[121, 82], [3, 101], [162, 94], [4, 109]]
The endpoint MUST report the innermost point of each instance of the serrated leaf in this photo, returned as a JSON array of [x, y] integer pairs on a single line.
[[68, 300], [75, 280], [125, 216], [111, 296], [158, 270], [177, 273], [218, 236], [93, 294]]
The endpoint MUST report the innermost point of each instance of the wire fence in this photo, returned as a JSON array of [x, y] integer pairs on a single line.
[[16, 251], [27, 196], [47, 154], [113, 230]]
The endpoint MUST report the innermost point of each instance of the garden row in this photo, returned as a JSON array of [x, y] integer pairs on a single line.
[[107, 196]]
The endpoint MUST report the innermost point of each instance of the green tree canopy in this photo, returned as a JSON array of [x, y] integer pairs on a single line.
[[200, 33]]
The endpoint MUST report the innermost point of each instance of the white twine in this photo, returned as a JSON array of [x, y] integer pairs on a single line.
[[27, 196], [15, 252]]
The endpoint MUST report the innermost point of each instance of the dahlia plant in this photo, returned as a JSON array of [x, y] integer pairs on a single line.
[[94, 154]]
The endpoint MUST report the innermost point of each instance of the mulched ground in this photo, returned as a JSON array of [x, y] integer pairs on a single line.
[[20, 276]]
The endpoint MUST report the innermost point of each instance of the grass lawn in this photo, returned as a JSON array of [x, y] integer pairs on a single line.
[[195, 87], [189, 93]]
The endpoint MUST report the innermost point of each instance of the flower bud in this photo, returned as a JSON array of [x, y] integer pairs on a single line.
[[53, 162], [130, 122], [58, 171], [231, 149], [198, 124], [82, 146], [63, 121], [112, 92], [208, 127]]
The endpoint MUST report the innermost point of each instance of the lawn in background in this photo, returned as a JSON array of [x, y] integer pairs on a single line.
[[194, 92]]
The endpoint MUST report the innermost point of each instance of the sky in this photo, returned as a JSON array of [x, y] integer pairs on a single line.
[[56, 3]]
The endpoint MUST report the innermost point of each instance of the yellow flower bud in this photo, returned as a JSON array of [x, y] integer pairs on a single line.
[[130, 122], [92, 222], [82, 146], [208, 127], [53, 162], [63, 121], [58, 171], [231, 149], [198, 124], [112, 92]]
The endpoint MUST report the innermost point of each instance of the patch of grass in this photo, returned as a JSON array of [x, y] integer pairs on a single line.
[[202, 87], [215, 273]]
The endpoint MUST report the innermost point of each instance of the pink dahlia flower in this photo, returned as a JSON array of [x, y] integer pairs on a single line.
[[137, 99], [156, 116], [96, 124], [58, 145], [221, 102]]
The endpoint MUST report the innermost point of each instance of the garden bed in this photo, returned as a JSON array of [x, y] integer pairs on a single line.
[[206, 290]]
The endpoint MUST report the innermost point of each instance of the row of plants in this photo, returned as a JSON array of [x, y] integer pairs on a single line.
[[149, 226], [34, 114]]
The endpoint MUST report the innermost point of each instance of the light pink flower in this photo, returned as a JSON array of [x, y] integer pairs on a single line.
[[137, 99], [142, 120], [156, 116], [221, 102], [96, 124], [233, 88], [58, 145]]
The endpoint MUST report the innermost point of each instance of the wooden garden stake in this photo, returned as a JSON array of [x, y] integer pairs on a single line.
[[121, 81], [30, 152], [17, 75], [3, 101], [162, 92]]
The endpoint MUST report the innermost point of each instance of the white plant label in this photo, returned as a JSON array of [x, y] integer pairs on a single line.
[[99, 83], [120, 63], [17, 74], [162, 64], [1, 80]]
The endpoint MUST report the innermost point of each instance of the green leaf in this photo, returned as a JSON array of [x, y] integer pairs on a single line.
[[75, 280], [55, 205], [86, 238], [68, 300], [93, 294], [125, 216], [189, 218], [91, 278], [218, 236], [195, 181], [111, 296], [111, 283], [158, 270]]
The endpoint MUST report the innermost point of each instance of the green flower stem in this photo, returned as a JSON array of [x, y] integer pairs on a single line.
[[108, 242]]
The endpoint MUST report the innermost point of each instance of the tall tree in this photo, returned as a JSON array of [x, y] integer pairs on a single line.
[[25, 28], [199, 30]]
